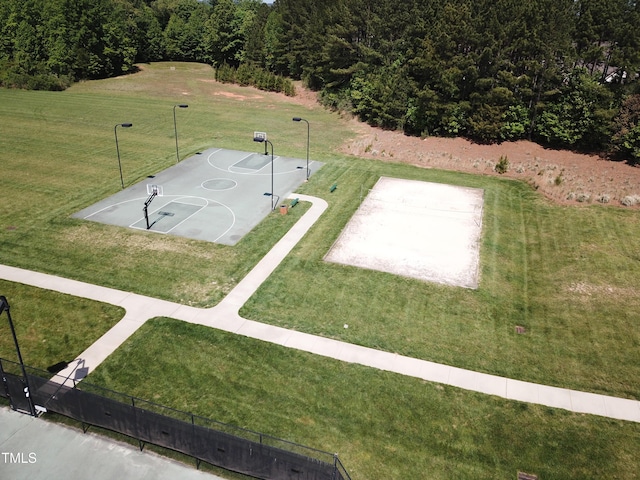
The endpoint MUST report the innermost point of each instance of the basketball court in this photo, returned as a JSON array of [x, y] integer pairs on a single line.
[[217, 195]]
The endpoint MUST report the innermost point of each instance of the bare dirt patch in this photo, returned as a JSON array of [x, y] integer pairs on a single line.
[[585, 289], [304, 97], [563, 176], [237, 96]]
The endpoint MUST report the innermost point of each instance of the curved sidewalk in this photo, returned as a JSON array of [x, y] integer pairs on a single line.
[[224, 316]]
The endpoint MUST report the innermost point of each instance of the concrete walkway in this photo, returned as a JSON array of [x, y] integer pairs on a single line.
[[225, 317]]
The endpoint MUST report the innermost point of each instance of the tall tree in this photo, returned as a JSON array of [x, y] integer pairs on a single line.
[[578, 114], [626, 130], [230, 27], [184, 31], [149, 35]]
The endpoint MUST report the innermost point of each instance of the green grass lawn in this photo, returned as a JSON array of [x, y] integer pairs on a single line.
[[566, 274], [383, 425], [51, 327]]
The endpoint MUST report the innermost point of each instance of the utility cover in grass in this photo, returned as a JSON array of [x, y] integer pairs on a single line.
[[423, 230]]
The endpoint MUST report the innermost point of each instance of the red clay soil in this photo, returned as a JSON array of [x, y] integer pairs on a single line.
[[563, 176]]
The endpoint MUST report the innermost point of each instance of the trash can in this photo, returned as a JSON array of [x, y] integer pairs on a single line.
[[284, 209]]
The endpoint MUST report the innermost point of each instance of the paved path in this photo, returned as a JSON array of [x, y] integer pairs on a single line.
[[225, 316]]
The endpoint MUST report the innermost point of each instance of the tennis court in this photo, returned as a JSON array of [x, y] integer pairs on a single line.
[[217, 195]]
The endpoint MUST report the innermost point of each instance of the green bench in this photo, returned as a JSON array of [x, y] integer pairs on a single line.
[[333, 187], [294, 202]]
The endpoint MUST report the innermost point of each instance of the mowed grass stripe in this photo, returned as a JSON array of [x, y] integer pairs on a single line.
[[383, 425], [523, 249]]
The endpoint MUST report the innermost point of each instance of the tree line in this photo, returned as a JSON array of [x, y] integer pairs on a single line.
[[48, 44], [563, 73]]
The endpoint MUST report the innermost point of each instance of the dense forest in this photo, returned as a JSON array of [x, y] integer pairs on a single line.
[[563, 73]]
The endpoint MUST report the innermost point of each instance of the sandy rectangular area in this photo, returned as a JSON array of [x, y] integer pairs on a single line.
[[429, 231]]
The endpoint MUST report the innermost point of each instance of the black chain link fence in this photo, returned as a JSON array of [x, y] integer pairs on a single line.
[[227, 446]]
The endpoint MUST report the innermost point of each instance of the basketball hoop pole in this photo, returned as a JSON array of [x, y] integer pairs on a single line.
[[146, 206]]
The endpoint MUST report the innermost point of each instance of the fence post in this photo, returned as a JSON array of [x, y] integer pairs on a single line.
[[337, 471], [4, 382], [4, 307], [335, 466]]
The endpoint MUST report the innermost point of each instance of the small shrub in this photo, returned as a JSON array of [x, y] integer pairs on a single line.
[[45, 81], [503, 165], [251, 75], [604, 198], [558, 180], [339, 101]]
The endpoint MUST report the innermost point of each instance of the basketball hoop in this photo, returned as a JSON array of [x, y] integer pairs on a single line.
[[259, 136], [154, 190]]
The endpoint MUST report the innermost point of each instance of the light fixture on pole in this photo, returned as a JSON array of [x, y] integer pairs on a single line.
[[115, 132], [175, 127], [298, 119], [263, 139]]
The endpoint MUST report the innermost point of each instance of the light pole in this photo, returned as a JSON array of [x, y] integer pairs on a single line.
[[4, 307], [175, 128], [298, 119], [261, 140], [115, 132]]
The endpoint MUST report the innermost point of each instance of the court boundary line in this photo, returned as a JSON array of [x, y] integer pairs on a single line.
[[175, 226], [208, 202], [254, 172], [115, 205], [187, 203]]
